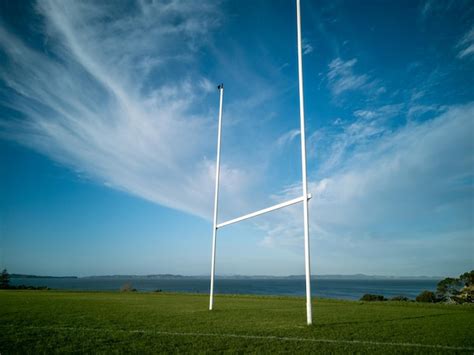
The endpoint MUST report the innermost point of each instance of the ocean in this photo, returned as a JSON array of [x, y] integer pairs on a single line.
[[349, 289]]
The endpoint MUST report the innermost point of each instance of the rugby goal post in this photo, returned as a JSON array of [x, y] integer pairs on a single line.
[[304, 198]]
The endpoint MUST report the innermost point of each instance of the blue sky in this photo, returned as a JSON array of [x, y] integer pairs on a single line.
[[108, 125]]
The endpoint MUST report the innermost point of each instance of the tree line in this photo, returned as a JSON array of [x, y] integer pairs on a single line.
[[5, 283], [449, 290]]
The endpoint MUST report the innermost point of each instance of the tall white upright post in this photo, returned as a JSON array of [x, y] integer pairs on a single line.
[[216, 196], [307, 267]]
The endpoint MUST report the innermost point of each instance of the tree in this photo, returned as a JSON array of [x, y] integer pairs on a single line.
[[457, 290], [467, 292], [467, 278], [5, 279], [370, 298], [426, 296], [448, 288]]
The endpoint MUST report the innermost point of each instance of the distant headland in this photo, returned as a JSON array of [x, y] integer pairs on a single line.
[[236, 277]]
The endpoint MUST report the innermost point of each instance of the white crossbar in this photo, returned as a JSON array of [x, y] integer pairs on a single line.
[[265, 210]]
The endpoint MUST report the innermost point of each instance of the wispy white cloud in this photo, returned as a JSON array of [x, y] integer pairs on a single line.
[[388, 172], [417, 94], [332, 146], [438, 9], [393, 194], [287, 137], [466, 45], [307, 47], [426, 8], [99, 104], [383, 112], [416, 111], [342, 78]]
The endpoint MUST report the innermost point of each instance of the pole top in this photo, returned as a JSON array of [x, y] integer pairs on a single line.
[[220, 86]]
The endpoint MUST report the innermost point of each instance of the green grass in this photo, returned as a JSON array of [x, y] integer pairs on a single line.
[[52, 321]]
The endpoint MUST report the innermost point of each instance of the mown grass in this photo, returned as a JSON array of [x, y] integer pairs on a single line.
[[52, 321]]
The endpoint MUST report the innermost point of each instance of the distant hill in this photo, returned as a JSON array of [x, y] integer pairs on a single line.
[[157, 276], [239, 277], [335, 277], [23, 276]]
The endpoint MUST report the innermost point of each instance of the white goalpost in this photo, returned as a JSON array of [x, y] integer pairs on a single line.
[[304, 198]]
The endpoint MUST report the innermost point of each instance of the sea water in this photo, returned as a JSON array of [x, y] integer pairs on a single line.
[[350, 289]]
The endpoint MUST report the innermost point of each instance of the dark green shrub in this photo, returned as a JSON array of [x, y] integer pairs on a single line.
[[370, 298], [127, 288], [25, 287], [427, 297], [400, 298]]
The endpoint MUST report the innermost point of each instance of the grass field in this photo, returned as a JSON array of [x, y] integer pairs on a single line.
[[52, 321]]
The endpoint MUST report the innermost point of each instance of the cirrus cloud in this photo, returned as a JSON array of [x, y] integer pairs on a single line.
[[98, 98]]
